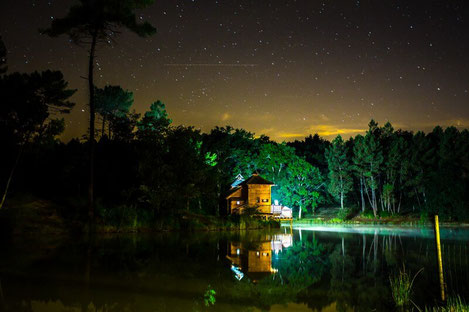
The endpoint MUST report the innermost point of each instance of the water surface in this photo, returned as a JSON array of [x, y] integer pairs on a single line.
[[312, 268]]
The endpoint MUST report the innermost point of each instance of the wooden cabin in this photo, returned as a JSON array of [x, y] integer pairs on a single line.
[[253, 192]]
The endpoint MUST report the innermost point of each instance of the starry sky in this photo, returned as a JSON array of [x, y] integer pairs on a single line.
[[281, 68]]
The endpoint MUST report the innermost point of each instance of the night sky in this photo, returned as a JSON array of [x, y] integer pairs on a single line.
[[281, 68]]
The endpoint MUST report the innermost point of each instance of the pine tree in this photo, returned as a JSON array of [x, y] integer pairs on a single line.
[[373, 158], [340, 180], [359, 166], [91, 22], [112, 102]]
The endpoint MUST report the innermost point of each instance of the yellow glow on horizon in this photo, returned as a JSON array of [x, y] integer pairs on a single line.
[[330, 130]]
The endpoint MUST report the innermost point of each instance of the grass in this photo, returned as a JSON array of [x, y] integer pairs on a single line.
[[401, 287], [454, 304]]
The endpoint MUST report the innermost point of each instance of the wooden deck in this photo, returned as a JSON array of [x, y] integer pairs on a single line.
[[272, 216]]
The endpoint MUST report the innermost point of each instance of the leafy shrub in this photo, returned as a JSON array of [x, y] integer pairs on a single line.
[[384, 214], [343, 213], [250, 210], [209, 296], [367, 214]]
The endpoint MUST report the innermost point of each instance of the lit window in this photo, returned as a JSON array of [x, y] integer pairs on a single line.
[[265, 254], [237, 251], [237, 203], [265, 200], [258, 254]]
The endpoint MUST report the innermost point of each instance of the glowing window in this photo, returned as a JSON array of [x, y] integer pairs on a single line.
[[265, 254], [258, 254], [265, 200], [238, 202]]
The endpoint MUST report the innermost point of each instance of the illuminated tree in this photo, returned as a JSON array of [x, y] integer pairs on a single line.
[[313, 149], [359, 166], [340, 180], [89, 23], [298, 182], [373, 160], [301, 186], [368, 158]]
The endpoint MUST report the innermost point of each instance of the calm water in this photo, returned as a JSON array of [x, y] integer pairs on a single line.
[[308, 269]]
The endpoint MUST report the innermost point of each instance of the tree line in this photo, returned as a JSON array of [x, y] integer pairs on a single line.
[[142, 165], [147, 168]]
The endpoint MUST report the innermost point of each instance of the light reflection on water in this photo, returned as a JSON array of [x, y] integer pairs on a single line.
[[411, 231], [313, 268]]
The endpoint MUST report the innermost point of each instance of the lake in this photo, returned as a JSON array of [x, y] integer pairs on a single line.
[[316, 268]]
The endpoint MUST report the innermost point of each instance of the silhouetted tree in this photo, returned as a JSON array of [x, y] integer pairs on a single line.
[[3, 57], [112, 103], [27, 105], [91, 22]]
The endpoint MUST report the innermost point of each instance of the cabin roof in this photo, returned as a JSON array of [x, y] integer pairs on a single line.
[[257, 179], [254, 179], [238, 181], [233, 191]]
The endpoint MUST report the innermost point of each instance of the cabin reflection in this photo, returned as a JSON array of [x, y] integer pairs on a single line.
[[254, 259]]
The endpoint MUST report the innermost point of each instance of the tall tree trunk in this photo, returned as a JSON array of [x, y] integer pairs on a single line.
[[373, 197], [361, 194], [299, 213], [104, 126], [92, 120], [417, 195], [341, 192], [342, 200], [10, 177]]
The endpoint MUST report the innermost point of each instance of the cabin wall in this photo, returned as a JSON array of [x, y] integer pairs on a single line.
[[234, 203], [257, 193]]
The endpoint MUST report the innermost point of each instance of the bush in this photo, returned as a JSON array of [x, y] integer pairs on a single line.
[[250, 210], [384, 214], [343, 214], [122, 216], [367, 214]]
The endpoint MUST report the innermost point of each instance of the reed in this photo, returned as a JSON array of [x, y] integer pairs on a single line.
[[454, 304], [401, 287]]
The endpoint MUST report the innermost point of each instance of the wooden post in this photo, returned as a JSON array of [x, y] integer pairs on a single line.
[[440, 262], [291, 225]]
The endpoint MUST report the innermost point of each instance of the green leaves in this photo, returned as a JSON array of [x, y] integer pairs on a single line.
[[113, 101], [154, 122], [209, 296]]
